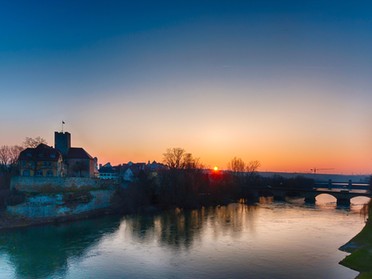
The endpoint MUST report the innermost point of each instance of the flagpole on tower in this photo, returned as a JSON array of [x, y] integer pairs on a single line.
[[63, 122]]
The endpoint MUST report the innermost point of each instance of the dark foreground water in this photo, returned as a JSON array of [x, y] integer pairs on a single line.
[[270, 240]]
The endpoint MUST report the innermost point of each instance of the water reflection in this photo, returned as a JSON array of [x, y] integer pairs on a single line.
[[178, 228], [265, 200], [42, 251], [326, 201], [236, 240]]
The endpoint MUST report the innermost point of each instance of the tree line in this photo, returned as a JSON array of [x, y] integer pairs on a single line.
[[184, 183], [187, 184]]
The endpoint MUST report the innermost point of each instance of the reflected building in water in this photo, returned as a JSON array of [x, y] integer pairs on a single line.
[[230, 241], [41, 252]]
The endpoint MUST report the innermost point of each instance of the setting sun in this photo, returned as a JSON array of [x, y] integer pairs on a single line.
[[215, 168]]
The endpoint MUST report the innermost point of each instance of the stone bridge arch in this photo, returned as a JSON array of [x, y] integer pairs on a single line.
[[342, 198], [359, 196], [311, 197], [329, 194]]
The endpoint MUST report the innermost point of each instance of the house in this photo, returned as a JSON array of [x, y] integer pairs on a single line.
[[155, 166], [62, 160], [127, 174], [108, 172], [41, 161], [130, 171]]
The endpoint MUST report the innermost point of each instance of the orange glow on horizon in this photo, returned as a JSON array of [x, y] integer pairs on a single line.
[[275, 154], [275, 161]]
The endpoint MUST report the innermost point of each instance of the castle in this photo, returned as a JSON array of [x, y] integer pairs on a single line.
[[58, 161]]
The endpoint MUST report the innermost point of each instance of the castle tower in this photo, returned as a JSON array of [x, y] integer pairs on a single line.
[[62, 142]]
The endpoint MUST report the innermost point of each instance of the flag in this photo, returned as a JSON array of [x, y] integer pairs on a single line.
[[63, 122]]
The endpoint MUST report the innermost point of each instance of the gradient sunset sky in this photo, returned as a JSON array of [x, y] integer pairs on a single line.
[[288, 83]]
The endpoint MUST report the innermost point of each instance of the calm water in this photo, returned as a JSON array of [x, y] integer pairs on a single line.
[[270, 240]]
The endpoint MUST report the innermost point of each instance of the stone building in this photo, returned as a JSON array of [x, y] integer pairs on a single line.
[[41, 161], [62, 160], [77, 161]]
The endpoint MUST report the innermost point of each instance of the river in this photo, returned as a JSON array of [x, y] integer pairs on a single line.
[[267, 240]]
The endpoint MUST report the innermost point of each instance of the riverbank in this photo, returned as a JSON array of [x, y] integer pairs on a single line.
[[208, 243], [9, 222], [360, 248]]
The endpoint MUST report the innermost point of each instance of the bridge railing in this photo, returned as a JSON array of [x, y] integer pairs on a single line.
[[341, 185]]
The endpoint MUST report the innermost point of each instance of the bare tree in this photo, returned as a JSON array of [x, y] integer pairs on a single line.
[[177, 158], [189, 162], [182, 183], [236, 165], [33, 142], [4, 155], [9, 154], [252, 166], [173, 157], [15, 150]]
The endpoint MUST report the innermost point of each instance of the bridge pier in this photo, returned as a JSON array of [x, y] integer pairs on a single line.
[[252, 196], [310, 198], [279, 195], [343, 202], [343, 198], [350, 185]]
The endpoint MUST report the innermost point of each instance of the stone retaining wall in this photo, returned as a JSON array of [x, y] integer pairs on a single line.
[[53, 184], [53, 205]]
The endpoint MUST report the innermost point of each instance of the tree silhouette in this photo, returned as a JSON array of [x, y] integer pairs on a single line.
[[177, 158], [33, 142], [9, 156]]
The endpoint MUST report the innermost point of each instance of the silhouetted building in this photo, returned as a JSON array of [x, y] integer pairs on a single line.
[[77, 161], [109, 172], [41, 161], [63, 160], [62, 142]]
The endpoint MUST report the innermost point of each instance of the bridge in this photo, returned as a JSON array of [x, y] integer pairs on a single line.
[[343, 197], [342, 191]]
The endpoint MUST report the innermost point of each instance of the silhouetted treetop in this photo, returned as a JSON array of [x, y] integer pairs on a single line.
[[237, 165], [33, 142], [178, 158]]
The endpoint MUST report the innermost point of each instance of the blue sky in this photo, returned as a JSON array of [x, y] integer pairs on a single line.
[[284, 82]]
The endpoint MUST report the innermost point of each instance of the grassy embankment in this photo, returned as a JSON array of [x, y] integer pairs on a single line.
[[360, 248]]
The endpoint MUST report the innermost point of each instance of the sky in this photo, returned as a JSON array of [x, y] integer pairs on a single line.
[[287, 83]]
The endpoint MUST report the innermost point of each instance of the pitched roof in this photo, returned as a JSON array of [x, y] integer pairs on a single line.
[[78, 153], [107, 168], [42, 152], [135, 168]]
